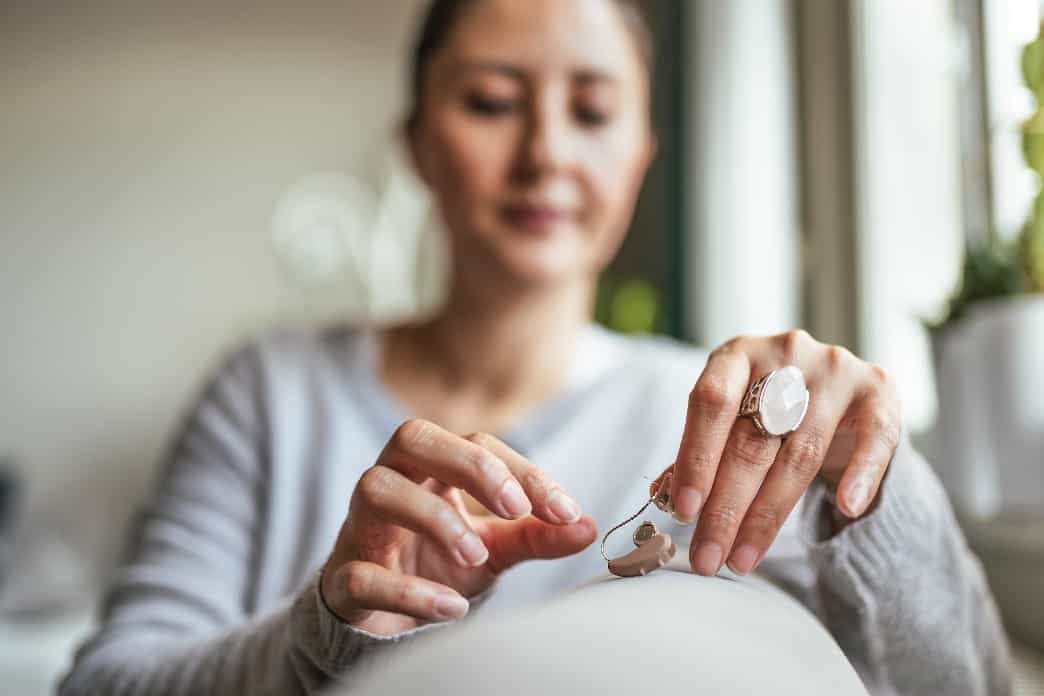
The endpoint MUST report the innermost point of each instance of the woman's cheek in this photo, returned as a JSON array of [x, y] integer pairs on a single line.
[[466, 180], [613, 188]]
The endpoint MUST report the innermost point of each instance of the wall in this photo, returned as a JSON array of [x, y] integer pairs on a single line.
[[143, 148]]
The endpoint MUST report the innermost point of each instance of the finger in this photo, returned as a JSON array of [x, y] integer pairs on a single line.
[[799, 460], [746, 460], [658, 481], [365, 587], [420, 449], [550, 502], [512, 542], [394, 499], [713, 406], [875, 427]]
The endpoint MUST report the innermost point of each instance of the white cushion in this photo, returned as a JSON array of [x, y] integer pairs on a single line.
[[669, 632]]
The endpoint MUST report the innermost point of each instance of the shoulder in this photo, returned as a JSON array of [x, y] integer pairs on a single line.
[[288, 354]]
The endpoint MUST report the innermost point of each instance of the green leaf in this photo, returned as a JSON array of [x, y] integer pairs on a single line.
[[1033, 141], [990, 271], [1033, 64]]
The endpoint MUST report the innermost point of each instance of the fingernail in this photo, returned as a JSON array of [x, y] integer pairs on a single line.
[[857, 493], [708, 559], [743, 559], [472, 550], [687, 505], [513, 500], [564, 507], [450, 606]]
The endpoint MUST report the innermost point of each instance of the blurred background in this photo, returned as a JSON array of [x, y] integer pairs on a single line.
[[178, 177]]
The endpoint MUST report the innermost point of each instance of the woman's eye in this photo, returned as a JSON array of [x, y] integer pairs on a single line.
[[591, 117], [485, 106]]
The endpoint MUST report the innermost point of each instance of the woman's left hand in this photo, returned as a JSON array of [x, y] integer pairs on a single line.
[[743, 483]]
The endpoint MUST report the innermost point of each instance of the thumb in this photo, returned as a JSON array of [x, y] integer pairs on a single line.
[[513, 541]]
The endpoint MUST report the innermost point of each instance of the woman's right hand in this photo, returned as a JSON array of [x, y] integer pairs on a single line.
[[409, 551]]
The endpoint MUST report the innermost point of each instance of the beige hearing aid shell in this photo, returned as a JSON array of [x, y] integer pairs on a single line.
[[652, 553]]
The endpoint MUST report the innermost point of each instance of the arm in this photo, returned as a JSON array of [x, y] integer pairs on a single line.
[[177, 618], [902, 593]]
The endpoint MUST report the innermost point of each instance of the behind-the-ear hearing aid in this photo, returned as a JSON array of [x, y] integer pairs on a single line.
[[654, 548]]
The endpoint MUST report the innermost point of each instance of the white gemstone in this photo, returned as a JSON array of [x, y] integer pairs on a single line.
[[784, 399]]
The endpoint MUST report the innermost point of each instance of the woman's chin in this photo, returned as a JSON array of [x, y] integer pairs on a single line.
[[533, 260], [546, 266]]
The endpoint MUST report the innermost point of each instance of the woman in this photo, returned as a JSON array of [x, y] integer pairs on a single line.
[[347, 449]]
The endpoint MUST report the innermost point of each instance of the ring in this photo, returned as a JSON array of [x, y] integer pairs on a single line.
[[777, 402]]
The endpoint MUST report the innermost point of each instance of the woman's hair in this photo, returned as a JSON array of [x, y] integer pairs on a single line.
[[442, 15]]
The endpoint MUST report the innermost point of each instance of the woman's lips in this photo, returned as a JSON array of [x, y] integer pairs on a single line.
[[534, 217]]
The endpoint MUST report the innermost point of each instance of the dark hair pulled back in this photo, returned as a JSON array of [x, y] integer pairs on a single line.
[[442, 15]]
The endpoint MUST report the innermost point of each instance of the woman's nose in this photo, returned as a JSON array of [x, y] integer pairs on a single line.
[[547, 143]]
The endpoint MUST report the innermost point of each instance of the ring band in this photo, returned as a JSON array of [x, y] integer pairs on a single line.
[[777, 402]]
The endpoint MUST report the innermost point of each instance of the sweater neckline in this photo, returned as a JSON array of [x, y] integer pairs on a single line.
[[598, 355]]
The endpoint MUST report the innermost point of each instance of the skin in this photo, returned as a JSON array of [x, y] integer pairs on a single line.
[[750, 482], [534, 138]]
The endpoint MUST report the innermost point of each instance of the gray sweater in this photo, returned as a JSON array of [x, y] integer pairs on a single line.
[[218, 593]]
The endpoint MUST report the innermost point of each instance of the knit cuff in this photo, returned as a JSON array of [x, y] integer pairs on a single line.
[[334, 646], [910, 508]]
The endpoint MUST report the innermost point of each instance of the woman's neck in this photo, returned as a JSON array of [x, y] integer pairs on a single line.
[[489, 354]]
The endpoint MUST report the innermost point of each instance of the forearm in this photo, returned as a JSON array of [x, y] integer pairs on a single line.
[[297, 649], [904, 596]]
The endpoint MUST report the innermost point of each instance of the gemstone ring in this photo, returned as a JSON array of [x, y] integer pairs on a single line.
[[777, 402]]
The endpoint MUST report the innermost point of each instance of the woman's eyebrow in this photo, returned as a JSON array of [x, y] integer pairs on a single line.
[[584, 76], [594, 76], [490, 66]]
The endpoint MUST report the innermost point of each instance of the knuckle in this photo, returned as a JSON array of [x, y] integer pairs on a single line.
[[405, 596], [446, 521], [481, 439], [750, 451], [888, 430], [412, 433], [732, 345], [764, 518], [881, 423], [485, 467], [699, 465], [874, 416], [375, 483], [531, 541], [793, 344], [713, 395], [720, 517], [881, 375], [806, 453], [533, 479], [883, 386], [878, 418], [836, 357], [356, 581], [425, 602]]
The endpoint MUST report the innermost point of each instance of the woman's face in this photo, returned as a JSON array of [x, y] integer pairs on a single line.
[[534, 136]]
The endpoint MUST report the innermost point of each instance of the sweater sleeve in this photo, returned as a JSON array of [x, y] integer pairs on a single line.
[[902, 593], [176, 619]]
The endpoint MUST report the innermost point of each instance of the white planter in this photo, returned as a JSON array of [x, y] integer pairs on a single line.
[[1012, 553], [990, 431]]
